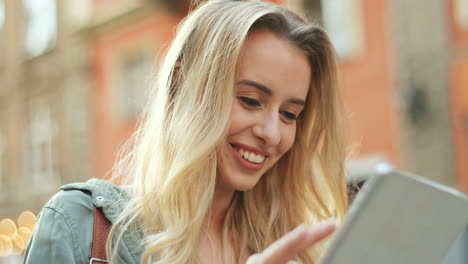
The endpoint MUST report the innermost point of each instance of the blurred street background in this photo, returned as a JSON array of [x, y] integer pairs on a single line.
[[73, 76]]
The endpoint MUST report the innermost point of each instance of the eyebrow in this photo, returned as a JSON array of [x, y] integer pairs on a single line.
[[268, 91]]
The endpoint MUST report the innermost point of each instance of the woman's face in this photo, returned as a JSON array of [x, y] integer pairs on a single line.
[[271, 86]]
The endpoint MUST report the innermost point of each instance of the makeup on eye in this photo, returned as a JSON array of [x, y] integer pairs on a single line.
[[253, 103], [289, 115], [267, 91]]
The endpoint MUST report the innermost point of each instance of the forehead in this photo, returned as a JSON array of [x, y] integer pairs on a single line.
[[276, 63]]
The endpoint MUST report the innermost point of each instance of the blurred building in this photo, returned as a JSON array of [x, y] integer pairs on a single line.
[[44, 102], [458, 84], [360, 31], [421, 57], [73, 76], [404, 78], [126, 40]]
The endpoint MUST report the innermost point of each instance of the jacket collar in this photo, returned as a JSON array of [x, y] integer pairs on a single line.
[[112, 200]]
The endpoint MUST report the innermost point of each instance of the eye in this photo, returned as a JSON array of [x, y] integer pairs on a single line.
[[249, 101], [289, 116]]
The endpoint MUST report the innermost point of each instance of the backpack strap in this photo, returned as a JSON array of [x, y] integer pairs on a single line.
[[100, 233]]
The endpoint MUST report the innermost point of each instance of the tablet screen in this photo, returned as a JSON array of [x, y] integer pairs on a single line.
[[399, 218]]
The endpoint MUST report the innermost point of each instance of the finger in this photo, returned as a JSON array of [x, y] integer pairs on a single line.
[[294, 242], [254, 259], [317, 233]]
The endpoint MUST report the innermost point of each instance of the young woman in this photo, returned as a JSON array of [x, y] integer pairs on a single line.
[[238, 158]]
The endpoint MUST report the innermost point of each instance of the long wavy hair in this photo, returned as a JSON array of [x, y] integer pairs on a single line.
[[170, 162]]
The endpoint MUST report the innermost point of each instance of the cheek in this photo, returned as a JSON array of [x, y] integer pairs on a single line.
[[288, 137], [239, 119]]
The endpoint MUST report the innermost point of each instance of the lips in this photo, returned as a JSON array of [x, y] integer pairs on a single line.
[[249, 157]]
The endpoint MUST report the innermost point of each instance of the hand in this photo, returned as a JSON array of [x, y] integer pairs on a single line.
[[285, 249]]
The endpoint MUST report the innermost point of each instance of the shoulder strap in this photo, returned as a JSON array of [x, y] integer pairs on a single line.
[[100, 233]]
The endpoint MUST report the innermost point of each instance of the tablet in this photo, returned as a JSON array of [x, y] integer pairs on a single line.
[[399, 218]]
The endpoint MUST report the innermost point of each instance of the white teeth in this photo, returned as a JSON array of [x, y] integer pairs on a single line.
[[259, 159], [252, 157]]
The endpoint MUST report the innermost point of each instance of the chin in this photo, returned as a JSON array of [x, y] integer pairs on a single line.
[[245, 187], [241, 182]]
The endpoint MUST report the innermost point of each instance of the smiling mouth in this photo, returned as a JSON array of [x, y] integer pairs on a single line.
[[249, 155]]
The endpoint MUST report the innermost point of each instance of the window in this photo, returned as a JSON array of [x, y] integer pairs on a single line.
[[77, 13], [2, 20], [134, 68], [40, 136], [461, 13], [342, 21], [41, 26]]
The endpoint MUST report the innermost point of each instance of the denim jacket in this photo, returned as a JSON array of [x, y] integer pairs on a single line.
[[64, 231]]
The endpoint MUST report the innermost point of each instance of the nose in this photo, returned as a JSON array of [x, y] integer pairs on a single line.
[[268, 129]]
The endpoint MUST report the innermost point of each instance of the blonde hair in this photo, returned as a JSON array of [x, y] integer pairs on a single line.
[[170, 162]]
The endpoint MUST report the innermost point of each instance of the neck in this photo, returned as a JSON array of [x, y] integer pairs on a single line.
[[211, 249], [221, 200]]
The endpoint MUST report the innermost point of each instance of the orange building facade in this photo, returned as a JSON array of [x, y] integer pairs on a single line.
[[459, 87], [124, 49], [369, 88]]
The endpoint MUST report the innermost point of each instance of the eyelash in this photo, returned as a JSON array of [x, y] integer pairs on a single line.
[[289, 115], [254, 103], [249, 101]]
